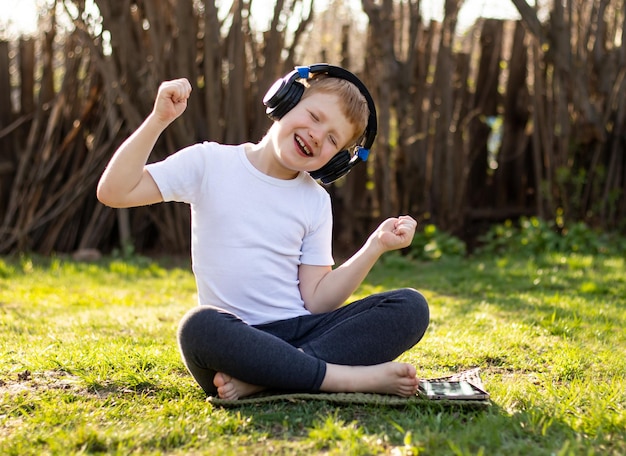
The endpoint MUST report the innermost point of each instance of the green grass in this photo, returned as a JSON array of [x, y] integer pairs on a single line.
[[89, 363]]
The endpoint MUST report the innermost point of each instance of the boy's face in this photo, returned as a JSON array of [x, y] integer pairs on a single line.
[[309, 135]]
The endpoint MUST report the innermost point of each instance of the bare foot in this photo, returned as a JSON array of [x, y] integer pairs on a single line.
[[231, 388], [387, 378]]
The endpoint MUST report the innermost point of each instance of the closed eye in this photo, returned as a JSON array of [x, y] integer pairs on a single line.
[[331, 138]]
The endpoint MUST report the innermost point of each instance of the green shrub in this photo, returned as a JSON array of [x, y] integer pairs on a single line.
[[532, 235], [432, 244]]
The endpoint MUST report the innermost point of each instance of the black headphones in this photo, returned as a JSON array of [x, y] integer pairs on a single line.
[[286, 92]]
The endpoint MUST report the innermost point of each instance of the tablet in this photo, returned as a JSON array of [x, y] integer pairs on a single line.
[[451, 390]]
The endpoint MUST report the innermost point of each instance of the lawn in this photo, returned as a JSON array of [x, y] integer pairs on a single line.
[[89, 363]]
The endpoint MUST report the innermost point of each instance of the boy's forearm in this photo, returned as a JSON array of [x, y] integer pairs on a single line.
[[339, 284], [356, 268]]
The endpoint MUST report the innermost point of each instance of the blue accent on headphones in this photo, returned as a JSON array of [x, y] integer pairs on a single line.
[[363, 153], [303, 71]]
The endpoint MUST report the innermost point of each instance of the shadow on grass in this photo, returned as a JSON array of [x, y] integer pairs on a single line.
[[432, 428]]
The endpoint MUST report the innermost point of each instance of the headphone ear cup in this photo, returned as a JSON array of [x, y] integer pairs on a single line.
[[337, 167], [282, 97], [273, 94]]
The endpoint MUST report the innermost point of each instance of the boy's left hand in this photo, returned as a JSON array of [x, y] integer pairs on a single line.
[[396, 233]]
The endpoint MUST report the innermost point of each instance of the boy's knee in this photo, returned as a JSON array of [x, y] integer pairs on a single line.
[[189, 323], [196, 326], [414, 298], [417, 305]]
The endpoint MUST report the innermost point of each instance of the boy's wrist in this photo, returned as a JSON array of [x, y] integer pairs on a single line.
[[153, 121], [375, 246]]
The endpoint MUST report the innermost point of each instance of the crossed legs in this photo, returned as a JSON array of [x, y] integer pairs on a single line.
[[348, 350]]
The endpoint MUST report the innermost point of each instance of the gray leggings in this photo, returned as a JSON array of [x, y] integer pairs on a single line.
[[373, 330]]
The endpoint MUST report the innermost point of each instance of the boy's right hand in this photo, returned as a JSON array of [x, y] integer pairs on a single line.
[[171, 100]]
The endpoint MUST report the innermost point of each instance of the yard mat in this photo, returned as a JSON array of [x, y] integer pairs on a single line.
[[472, 376]]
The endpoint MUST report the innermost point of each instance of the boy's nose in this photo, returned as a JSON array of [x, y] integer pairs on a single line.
[[314, 135]]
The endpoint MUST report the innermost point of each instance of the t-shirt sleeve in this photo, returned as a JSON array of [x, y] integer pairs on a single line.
[[317, 245], [180, 176]]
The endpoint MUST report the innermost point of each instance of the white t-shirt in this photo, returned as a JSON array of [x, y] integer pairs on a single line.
[[249, 231]]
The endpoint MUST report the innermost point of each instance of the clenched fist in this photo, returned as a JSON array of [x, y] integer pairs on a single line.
[[171, 100]]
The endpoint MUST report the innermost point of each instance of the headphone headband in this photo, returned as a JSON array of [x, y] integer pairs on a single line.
[[286, 92]]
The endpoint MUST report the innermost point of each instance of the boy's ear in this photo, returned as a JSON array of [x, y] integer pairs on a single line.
[[337, 167], [284, 94], [340, 165]]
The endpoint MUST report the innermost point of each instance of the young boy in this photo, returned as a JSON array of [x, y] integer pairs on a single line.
[[271, 311]]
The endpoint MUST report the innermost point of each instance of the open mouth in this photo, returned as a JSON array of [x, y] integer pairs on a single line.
[[303, 147]]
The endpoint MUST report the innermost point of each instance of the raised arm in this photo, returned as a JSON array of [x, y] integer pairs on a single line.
[[324, 290], [125, 182]]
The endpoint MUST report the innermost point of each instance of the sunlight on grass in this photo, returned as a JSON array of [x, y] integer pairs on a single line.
[[332, 432], [90, 364]]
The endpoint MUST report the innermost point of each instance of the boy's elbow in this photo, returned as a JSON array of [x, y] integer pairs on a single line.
[[101, 193], [106, 195], [114, 193], [104, 199]]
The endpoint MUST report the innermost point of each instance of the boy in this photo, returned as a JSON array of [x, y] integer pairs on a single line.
[[271, 311]]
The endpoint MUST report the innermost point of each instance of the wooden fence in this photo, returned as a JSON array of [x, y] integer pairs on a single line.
[[504, 122]]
